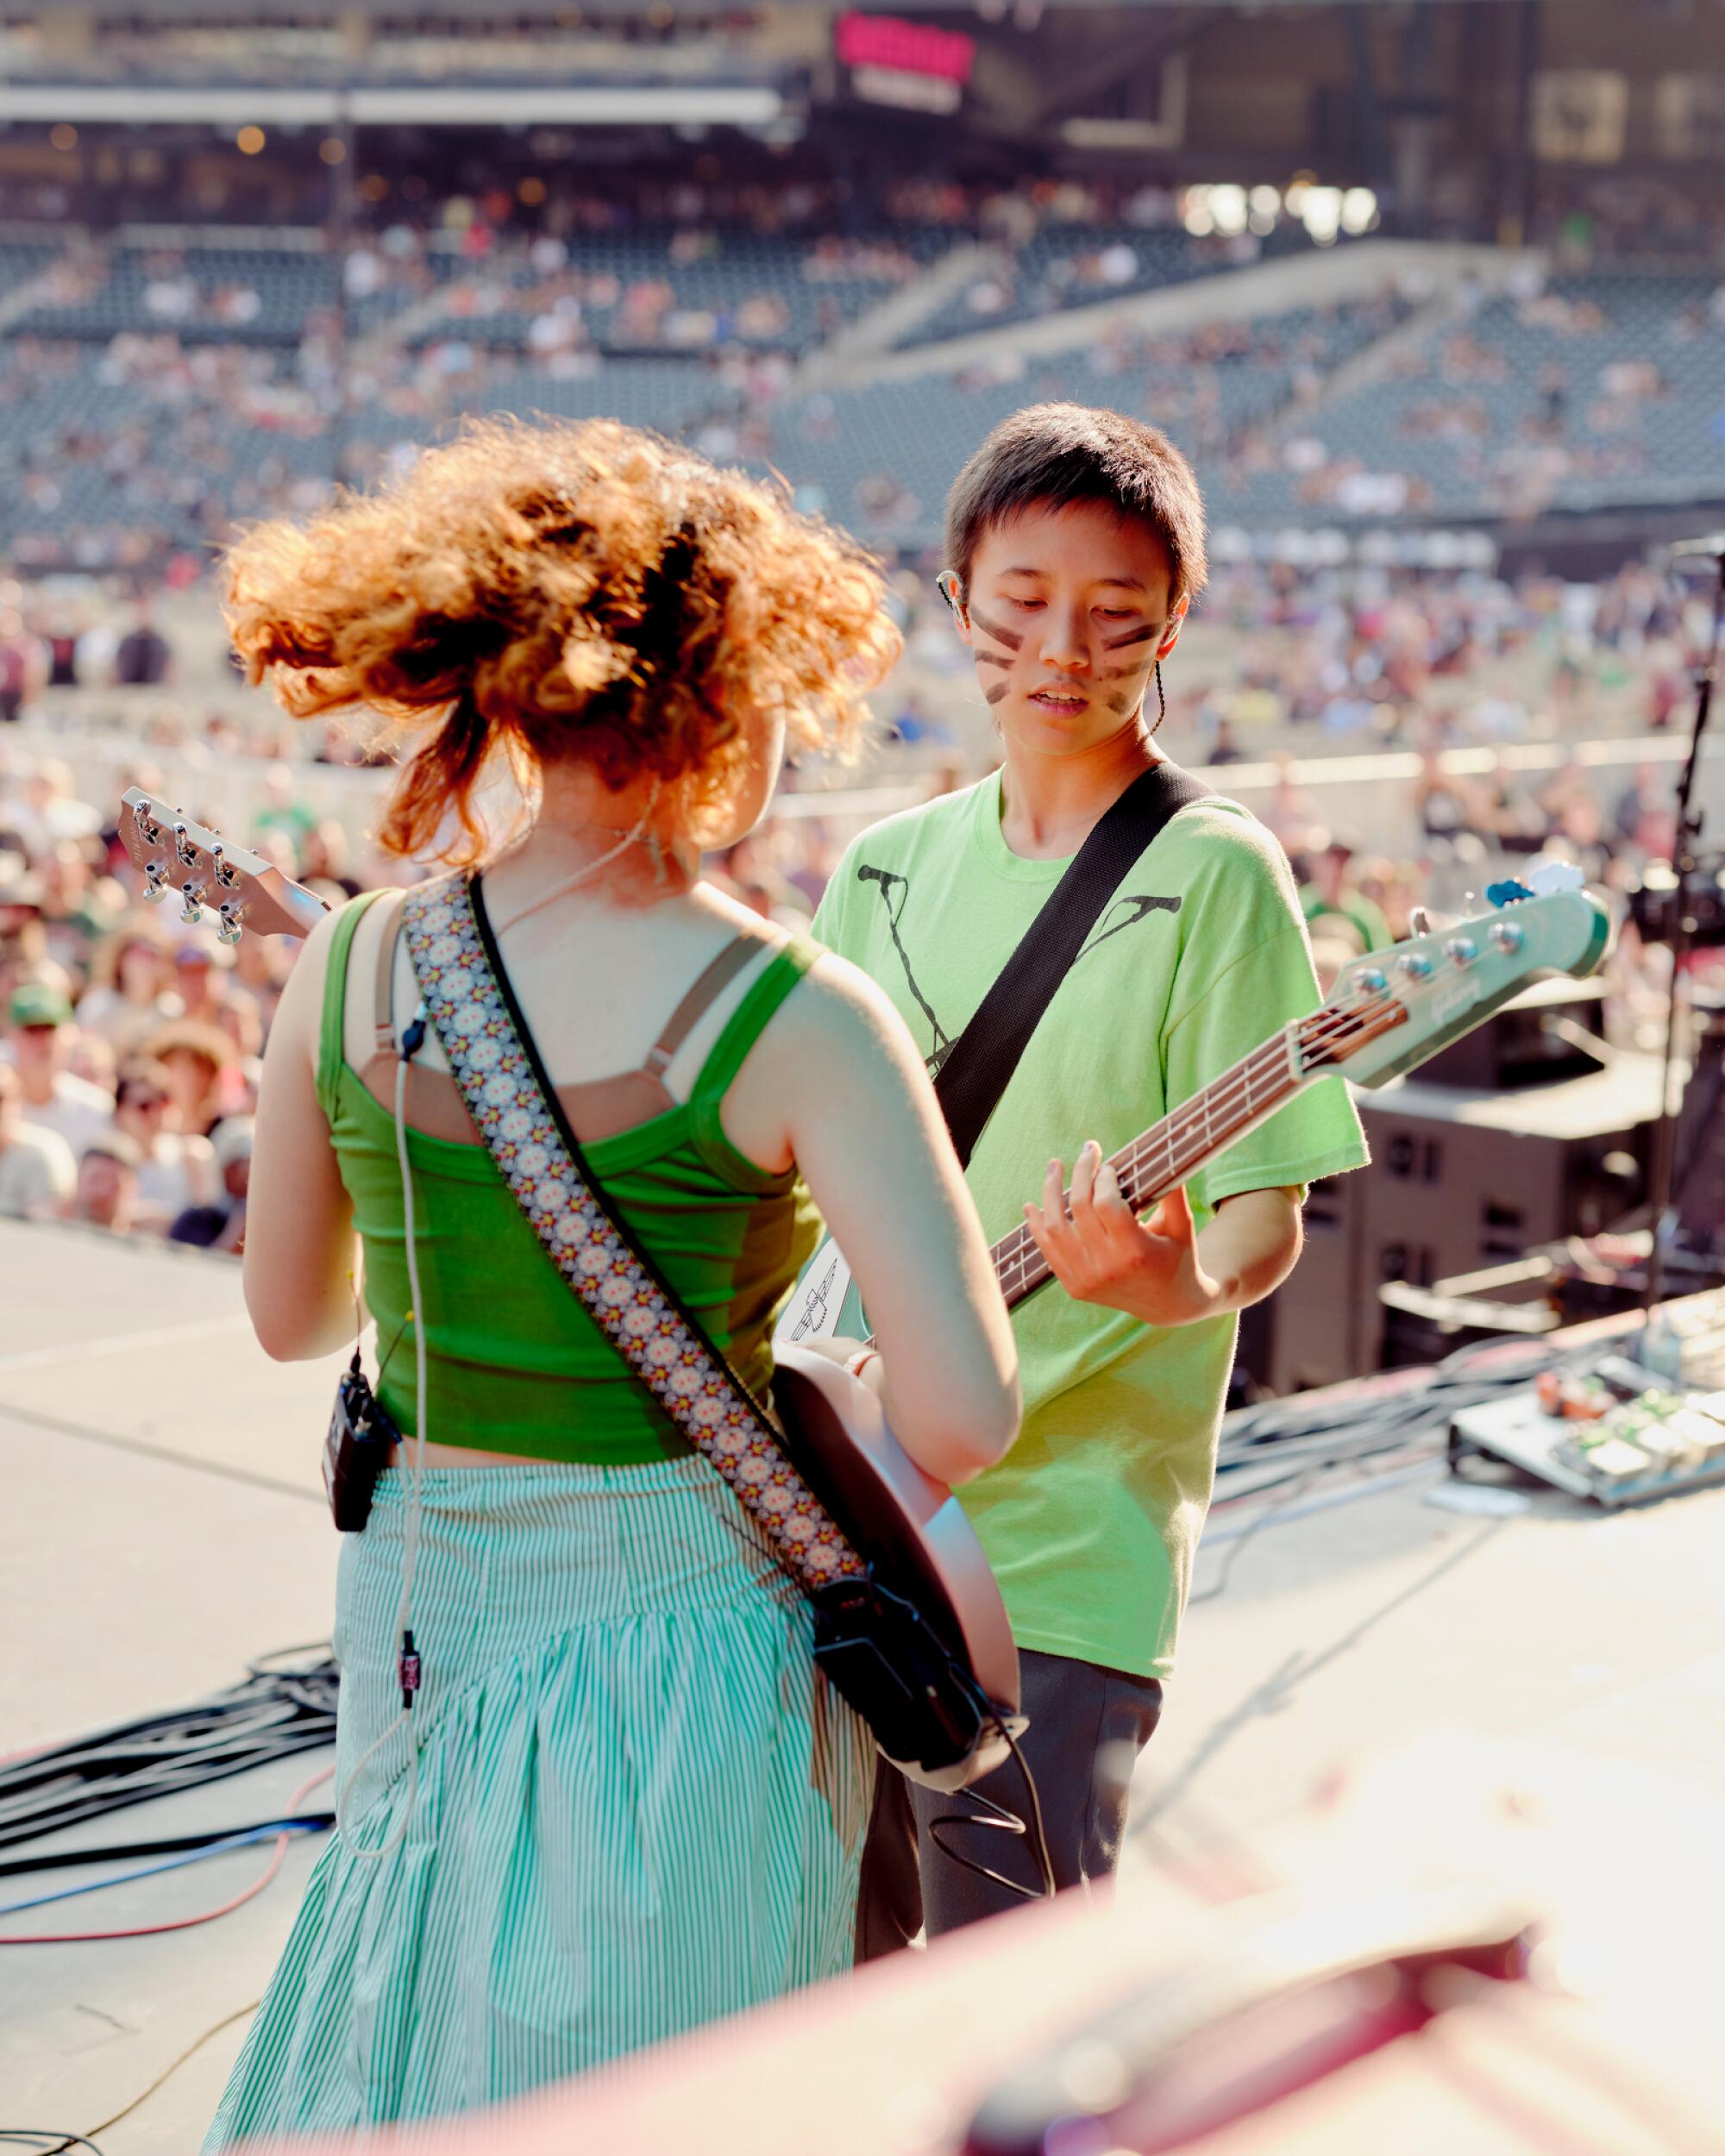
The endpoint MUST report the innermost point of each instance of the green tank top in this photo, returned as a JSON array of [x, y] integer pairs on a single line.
[[513, 1361]]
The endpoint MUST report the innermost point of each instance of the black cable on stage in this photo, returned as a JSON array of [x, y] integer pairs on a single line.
[[273, 1715], [167, 1845], [996, 1819], [1292, 1434], [51, 2143], [1288, 1446]]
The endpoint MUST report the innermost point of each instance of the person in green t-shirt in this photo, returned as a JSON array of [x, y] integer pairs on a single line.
[[1333, 894], [1074, 540]]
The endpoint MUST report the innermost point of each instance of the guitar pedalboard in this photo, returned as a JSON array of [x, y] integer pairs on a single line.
[[1622, 1432]]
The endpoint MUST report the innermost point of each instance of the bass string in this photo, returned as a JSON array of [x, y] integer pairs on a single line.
[[1265, 1060], [1270, 1061], [1018, 1249]]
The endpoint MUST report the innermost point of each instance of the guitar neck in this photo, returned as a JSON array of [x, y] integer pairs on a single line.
[[1175, 1149]]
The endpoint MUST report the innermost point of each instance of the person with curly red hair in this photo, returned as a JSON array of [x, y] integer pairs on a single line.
[[629, 1802]]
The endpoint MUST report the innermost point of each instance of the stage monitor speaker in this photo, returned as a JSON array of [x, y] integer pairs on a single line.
[[1308, 1333], [1448, 1195], [1523, 1044], [1458, 1182]]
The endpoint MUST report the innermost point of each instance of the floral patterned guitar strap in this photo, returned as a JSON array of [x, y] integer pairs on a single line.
[[496, 1067]]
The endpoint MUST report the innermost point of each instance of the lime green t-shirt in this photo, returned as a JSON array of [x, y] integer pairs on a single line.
[[1091, 1520]]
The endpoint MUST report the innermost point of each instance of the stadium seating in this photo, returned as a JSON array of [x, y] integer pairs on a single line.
[[1601, 389], [667, 395], [881, 457], [205, 295], [658, 288], [150, 393], [1076, 264], [21, 260]]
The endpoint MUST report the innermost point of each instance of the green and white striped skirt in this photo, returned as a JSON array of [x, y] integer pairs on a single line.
[[638, 1809]]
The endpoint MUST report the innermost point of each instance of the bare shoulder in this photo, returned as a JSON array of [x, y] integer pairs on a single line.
[[838, 1008], [837, 1048]]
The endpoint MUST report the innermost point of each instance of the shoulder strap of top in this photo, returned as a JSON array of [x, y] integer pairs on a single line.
[[682, 1021], [331, 1034], [776, 979], [384, 1042]]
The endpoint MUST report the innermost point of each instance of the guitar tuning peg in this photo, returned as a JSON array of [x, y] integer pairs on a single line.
[[189, 910], [155, 882], [1419, 921], [231, 929]]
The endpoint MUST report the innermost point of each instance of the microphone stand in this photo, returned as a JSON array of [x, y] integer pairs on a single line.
[[1684, 843]]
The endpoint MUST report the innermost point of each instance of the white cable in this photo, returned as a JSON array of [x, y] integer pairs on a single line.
[[586, 875], [404, 1612]]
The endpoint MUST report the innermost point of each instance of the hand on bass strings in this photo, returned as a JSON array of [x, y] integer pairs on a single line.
[[1160, 1270], [1101, 1252]]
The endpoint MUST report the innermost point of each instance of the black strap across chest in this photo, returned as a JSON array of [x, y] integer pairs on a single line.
[[978, 1065]]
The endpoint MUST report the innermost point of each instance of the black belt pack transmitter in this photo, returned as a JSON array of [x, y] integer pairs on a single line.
[[357, 1449]]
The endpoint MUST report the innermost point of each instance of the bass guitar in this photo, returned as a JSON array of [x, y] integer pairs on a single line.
[[1388, 1012]]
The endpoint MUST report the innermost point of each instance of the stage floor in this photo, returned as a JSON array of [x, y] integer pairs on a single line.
[[165, 1523]]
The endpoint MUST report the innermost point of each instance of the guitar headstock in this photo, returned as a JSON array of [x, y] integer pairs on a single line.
[[1391, 1010], [201, 869]]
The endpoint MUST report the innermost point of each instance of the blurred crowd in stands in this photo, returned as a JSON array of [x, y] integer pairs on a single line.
[[1588, 220], [130, 1043], [156, 384]]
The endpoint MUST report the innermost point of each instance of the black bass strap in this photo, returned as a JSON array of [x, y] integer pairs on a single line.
[[978, 1065]]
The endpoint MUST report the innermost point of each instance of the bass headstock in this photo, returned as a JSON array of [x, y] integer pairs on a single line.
[[175, 854], [1391, 1010]]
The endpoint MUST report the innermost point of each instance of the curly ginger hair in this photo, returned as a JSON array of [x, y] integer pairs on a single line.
[[561, 589]]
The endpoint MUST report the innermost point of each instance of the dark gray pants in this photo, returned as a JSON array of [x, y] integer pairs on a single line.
[[1087, 1727]]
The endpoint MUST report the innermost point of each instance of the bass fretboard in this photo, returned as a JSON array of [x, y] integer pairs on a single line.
[[1169, 1151]]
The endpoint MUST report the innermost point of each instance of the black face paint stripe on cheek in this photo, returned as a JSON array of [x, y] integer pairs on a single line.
[[1122, 673], [998, 694], [990, 659], [1133, 636], [1009, 637]]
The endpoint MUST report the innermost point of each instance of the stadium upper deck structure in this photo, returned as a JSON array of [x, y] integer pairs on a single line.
[[1379, 268]]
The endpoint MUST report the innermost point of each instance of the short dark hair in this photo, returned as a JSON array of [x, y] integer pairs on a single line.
[[1054, 455], [141, 1073]]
